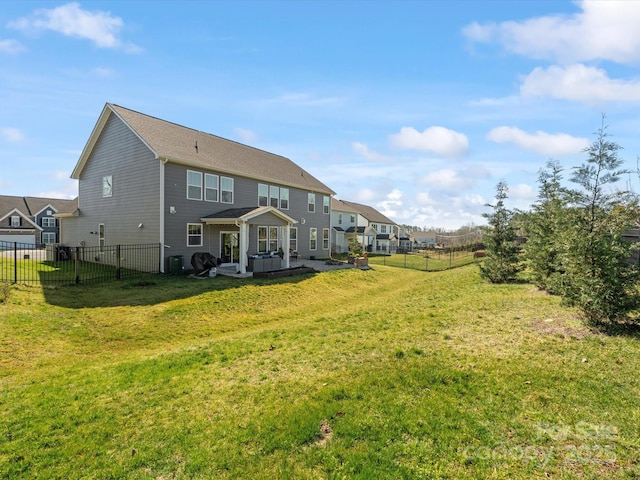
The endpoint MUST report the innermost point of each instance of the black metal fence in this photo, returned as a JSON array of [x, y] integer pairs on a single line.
[[63, 265], [432, 260]]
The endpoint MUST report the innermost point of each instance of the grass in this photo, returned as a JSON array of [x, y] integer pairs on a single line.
[[384, 373]]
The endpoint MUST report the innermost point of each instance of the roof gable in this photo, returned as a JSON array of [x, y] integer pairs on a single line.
[[370, 213], [197, 149]]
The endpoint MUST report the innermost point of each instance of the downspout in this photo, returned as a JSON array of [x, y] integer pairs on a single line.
[[162, 237]]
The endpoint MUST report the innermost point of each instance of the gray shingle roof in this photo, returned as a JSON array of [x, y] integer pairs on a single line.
[[178, 144], [32, 205], [370, 213]]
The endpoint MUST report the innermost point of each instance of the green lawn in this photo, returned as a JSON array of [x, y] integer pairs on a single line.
[[375, 374]]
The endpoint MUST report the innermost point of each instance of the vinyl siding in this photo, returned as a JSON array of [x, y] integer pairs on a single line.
[[245, 195], [136, 197]]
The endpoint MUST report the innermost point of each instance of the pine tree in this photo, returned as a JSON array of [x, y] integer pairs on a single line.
[[502, 262], [543, 225], [598, 277]]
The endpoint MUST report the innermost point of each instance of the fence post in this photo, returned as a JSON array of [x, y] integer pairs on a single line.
[[451, 258], [77, 265], [118, 262], [15, 262]]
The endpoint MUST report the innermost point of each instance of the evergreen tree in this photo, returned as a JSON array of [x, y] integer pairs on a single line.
[[502, 262], [543, 225], [598, 277]]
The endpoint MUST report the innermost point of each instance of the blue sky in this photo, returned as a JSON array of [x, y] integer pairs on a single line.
[[416, 108]]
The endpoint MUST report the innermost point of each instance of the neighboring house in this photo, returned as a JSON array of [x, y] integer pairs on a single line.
[[30, 220], [147, 180], [355, 222], [423, 240]]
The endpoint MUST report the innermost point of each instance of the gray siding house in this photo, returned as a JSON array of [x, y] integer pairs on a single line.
[[30, 220], [147, 180]]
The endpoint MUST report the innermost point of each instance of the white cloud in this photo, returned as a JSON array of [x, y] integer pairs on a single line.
[[579, 83], [392, 205], [448, 180], [11, 46], [522, 191], [363, 149], [540, 142], [438, 140], [602, 30], [99, 27], [12, 135], [365, 195], [246, 136]]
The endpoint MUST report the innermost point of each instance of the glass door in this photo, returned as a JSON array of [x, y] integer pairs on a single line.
[[229, 246]]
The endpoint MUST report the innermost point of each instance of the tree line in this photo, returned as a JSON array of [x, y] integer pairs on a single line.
[[571, 243]]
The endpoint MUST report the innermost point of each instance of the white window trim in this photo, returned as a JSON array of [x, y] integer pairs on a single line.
[[217, 187], [266, 196], [48, 220], [193, 184], [49, 235], [222, 191], [325, 238], [312, 229], [293, 237], [326, 205], [281, 198], [15, 220], [311, 203], [201, 235]]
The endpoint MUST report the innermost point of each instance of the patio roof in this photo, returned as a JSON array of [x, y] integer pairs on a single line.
[[243, 215]]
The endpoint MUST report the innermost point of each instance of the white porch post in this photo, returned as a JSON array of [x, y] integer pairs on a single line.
[[286, 235], [244, 246]]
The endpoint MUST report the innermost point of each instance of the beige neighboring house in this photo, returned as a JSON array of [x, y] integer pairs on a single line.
[[356, 222], [422, 240], [31, 221]]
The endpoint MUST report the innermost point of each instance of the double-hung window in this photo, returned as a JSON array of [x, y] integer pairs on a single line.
[[326, 202], [325, 239], [273, 239], [311, 202], [313, 239], [194, 234], [293, 239], [284, 198], [48, 237], [15, 220], [226, 189], [48, 222], [211, 189], [263, 195], [274, 196], [194, 185]]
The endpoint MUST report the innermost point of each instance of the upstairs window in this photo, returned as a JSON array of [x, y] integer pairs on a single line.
[[383, 229], [194, 185], [15, 220], [326, 202], [263, 195], [226, 189], [211, 190], [274, 196], [311, 202], [339, 219], [284, 199], [48, 222]]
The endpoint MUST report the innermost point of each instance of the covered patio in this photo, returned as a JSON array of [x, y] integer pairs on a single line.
[[248, 232]]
